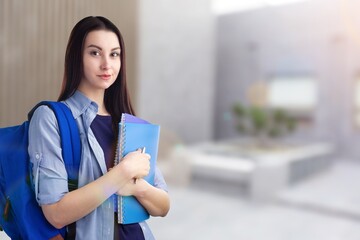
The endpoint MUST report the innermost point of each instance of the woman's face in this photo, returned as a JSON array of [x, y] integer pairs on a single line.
[[101, 61]]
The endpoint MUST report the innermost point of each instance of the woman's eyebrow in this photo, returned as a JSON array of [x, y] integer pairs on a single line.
[[92, 45]]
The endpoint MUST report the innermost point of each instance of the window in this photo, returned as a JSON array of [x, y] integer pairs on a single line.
[[296, 94]]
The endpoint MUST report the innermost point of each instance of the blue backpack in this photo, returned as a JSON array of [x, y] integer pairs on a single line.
[[20, 215]]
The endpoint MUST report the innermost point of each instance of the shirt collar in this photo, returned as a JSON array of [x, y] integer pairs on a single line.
[[79, 103]]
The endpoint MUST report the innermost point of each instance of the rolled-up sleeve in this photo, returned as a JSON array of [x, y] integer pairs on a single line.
[[49, 173], [159, 181]]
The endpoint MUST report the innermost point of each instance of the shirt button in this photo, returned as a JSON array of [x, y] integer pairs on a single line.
[[37, 156]]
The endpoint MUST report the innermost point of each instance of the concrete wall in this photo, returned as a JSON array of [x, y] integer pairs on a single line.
[[318, 38], [176, 66]]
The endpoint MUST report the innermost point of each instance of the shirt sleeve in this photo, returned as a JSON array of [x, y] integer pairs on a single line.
[[159, 181], [49, 173]]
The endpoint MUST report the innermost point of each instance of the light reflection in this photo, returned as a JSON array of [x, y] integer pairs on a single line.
[[229, 6]]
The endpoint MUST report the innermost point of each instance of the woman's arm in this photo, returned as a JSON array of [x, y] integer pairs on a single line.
[[78, 203], [155, 200]]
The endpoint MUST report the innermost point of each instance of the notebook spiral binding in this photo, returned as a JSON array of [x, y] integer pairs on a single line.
[[118, 156], [120, 141]]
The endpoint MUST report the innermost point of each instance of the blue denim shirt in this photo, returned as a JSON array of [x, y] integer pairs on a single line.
[[49, 174]]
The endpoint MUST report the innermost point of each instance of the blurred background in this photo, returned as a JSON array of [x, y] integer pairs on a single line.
[[258, 102]]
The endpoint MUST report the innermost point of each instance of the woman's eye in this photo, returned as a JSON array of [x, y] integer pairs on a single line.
[[95, 53], [115, 54]]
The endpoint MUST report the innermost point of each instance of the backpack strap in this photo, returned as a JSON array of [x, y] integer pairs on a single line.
[[70, 139]]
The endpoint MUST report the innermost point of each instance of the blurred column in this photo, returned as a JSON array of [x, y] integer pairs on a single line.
[[176, 66]]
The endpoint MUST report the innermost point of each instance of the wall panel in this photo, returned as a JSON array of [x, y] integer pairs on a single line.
[[33, 39]]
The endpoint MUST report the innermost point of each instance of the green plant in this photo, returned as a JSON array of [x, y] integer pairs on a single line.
[[262, 123]]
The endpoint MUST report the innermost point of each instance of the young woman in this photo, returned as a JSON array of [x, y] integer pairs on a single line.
[[94, 88]]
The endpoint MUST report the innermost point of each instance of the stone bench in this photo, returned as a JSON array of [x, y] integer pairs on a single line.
[[264, 173]]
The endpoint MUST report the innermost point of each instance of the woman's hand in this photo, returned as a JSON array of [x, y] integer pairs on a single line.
[[134, 165]]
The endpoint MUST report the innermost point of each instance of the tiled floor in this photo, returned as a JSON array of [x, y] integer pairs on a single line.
[[324, 207]]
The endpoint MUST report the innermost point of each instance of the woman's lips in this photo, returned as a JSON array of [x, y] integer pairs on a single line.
[[105, 76]]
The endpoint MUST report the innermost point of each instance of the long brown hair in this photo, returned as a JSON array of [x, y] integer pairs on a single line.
[[117, 99]]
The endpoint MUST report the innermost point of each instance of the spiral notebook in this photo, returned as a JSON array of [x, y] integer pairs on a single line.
[[135, 133]]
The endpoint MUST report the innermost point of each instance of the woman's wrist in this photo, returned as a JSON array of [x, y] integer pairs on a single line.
[[142, 187]]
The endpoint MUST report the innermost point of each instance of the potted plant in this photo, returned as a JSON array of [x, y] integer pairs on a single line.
[[264, 124]]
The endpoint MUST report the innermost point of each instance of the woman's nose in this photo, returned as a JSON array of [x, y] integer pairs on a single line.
[[105, 64]]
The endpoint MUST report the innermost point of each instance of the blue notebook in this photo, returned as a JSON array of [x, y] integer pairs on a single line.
[[135, 133]]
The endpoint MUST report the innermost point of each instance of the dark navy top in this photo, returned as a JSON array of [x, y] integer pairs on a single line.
[[103, 131]]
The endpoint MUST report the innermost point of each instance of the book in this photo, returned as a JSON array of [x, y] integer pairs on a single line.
[[136, 133]]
